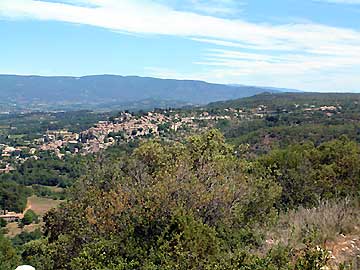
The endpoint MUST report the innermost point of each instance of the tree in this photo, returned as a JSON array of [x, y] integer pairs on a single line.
[[29, 217], [309, 174], [8, 257], [2, 223]]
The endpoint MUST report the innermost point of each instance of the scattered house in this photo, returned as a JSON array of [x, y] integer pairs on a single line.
[[328, 108], [8, 168], [10, 216]]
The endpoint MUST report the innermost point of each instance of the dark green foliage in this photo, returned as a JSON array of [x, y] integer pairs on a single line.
[[2, 223], [292, 118], [29, 217], [288, 101], [25, 237], [164, 127], [13, 197], [8, 258], [192, 205], [309, 174], [44, 191], [49, 170], [312, 258]]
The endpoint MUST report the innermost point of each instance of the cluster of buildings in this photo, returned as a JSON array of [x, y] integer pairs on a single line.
[[9, 155], [322, 108], [55, 140], [6, 168], [9, 151], [125, 127], [328, 110]]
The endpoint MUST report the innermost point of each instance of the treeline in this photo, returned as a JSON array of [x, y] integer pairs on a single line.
[[49, 171], [197, 205], [35, 176], [263, 138], [291, 101], [291, 118], [309, 174], [285, 129], [13, 197]]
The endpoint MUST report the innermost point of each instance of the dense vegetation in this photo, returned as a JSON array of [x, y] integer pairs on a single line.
[[268, 192], [291, 101], [49, 171], [195, 205], [35, 176], [291, 118], [13, 196]]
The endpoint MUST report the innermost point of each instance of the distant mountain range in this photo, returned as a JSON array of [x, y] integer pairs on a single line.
[[113, 92], [273, 89]]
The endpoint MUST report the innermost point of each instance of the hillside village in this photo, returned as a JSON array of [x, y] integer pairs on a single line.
[[130, 126]]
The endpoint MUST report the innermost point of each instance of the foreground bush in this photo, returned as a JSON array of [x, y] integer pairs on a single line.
[[190, 205], [180, 206]]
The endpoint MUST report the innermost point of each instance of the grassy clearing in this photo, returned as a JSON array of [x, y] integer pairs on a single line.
[[13, 229], [17, 136], [320, 224], [42, 205], [333, 225], [56, 189]]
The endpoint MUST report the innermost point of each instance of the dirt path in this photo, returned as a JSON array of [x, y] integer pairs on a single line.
[[28, 206]]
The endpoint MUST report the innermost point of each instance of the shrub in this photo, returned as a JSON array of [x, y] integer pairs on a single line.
[[29, 217]]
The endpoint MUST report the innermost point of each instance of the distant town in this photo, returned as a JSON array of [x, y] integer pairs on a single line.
[[129, 126]]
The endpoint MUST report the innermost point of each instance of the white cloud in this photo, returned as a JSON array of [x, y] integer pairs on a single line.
[[147, 18], [217, 7], [208, 7], [257, 49], [349, 2]]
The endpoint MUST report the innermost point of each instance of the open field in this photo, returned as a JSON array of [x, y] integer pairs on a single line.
[[13, 228], [18, 136], [42, 205], [56, 189]]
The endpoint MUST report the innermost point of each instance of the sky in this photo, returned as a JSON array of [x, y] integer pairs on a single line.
[[311, 45]]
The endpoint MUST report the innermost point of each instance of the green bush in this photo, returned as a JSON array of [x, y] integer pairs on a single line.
[[2, 223], [167, 206], [29, 217], [8, 256]]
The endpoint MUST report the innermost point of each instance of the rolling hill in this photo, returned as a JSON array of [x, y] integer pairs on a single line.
[[105, 91]]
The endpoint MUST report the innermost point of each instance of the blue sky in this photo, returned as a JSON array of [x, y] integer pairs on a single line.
[[309, 44]]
